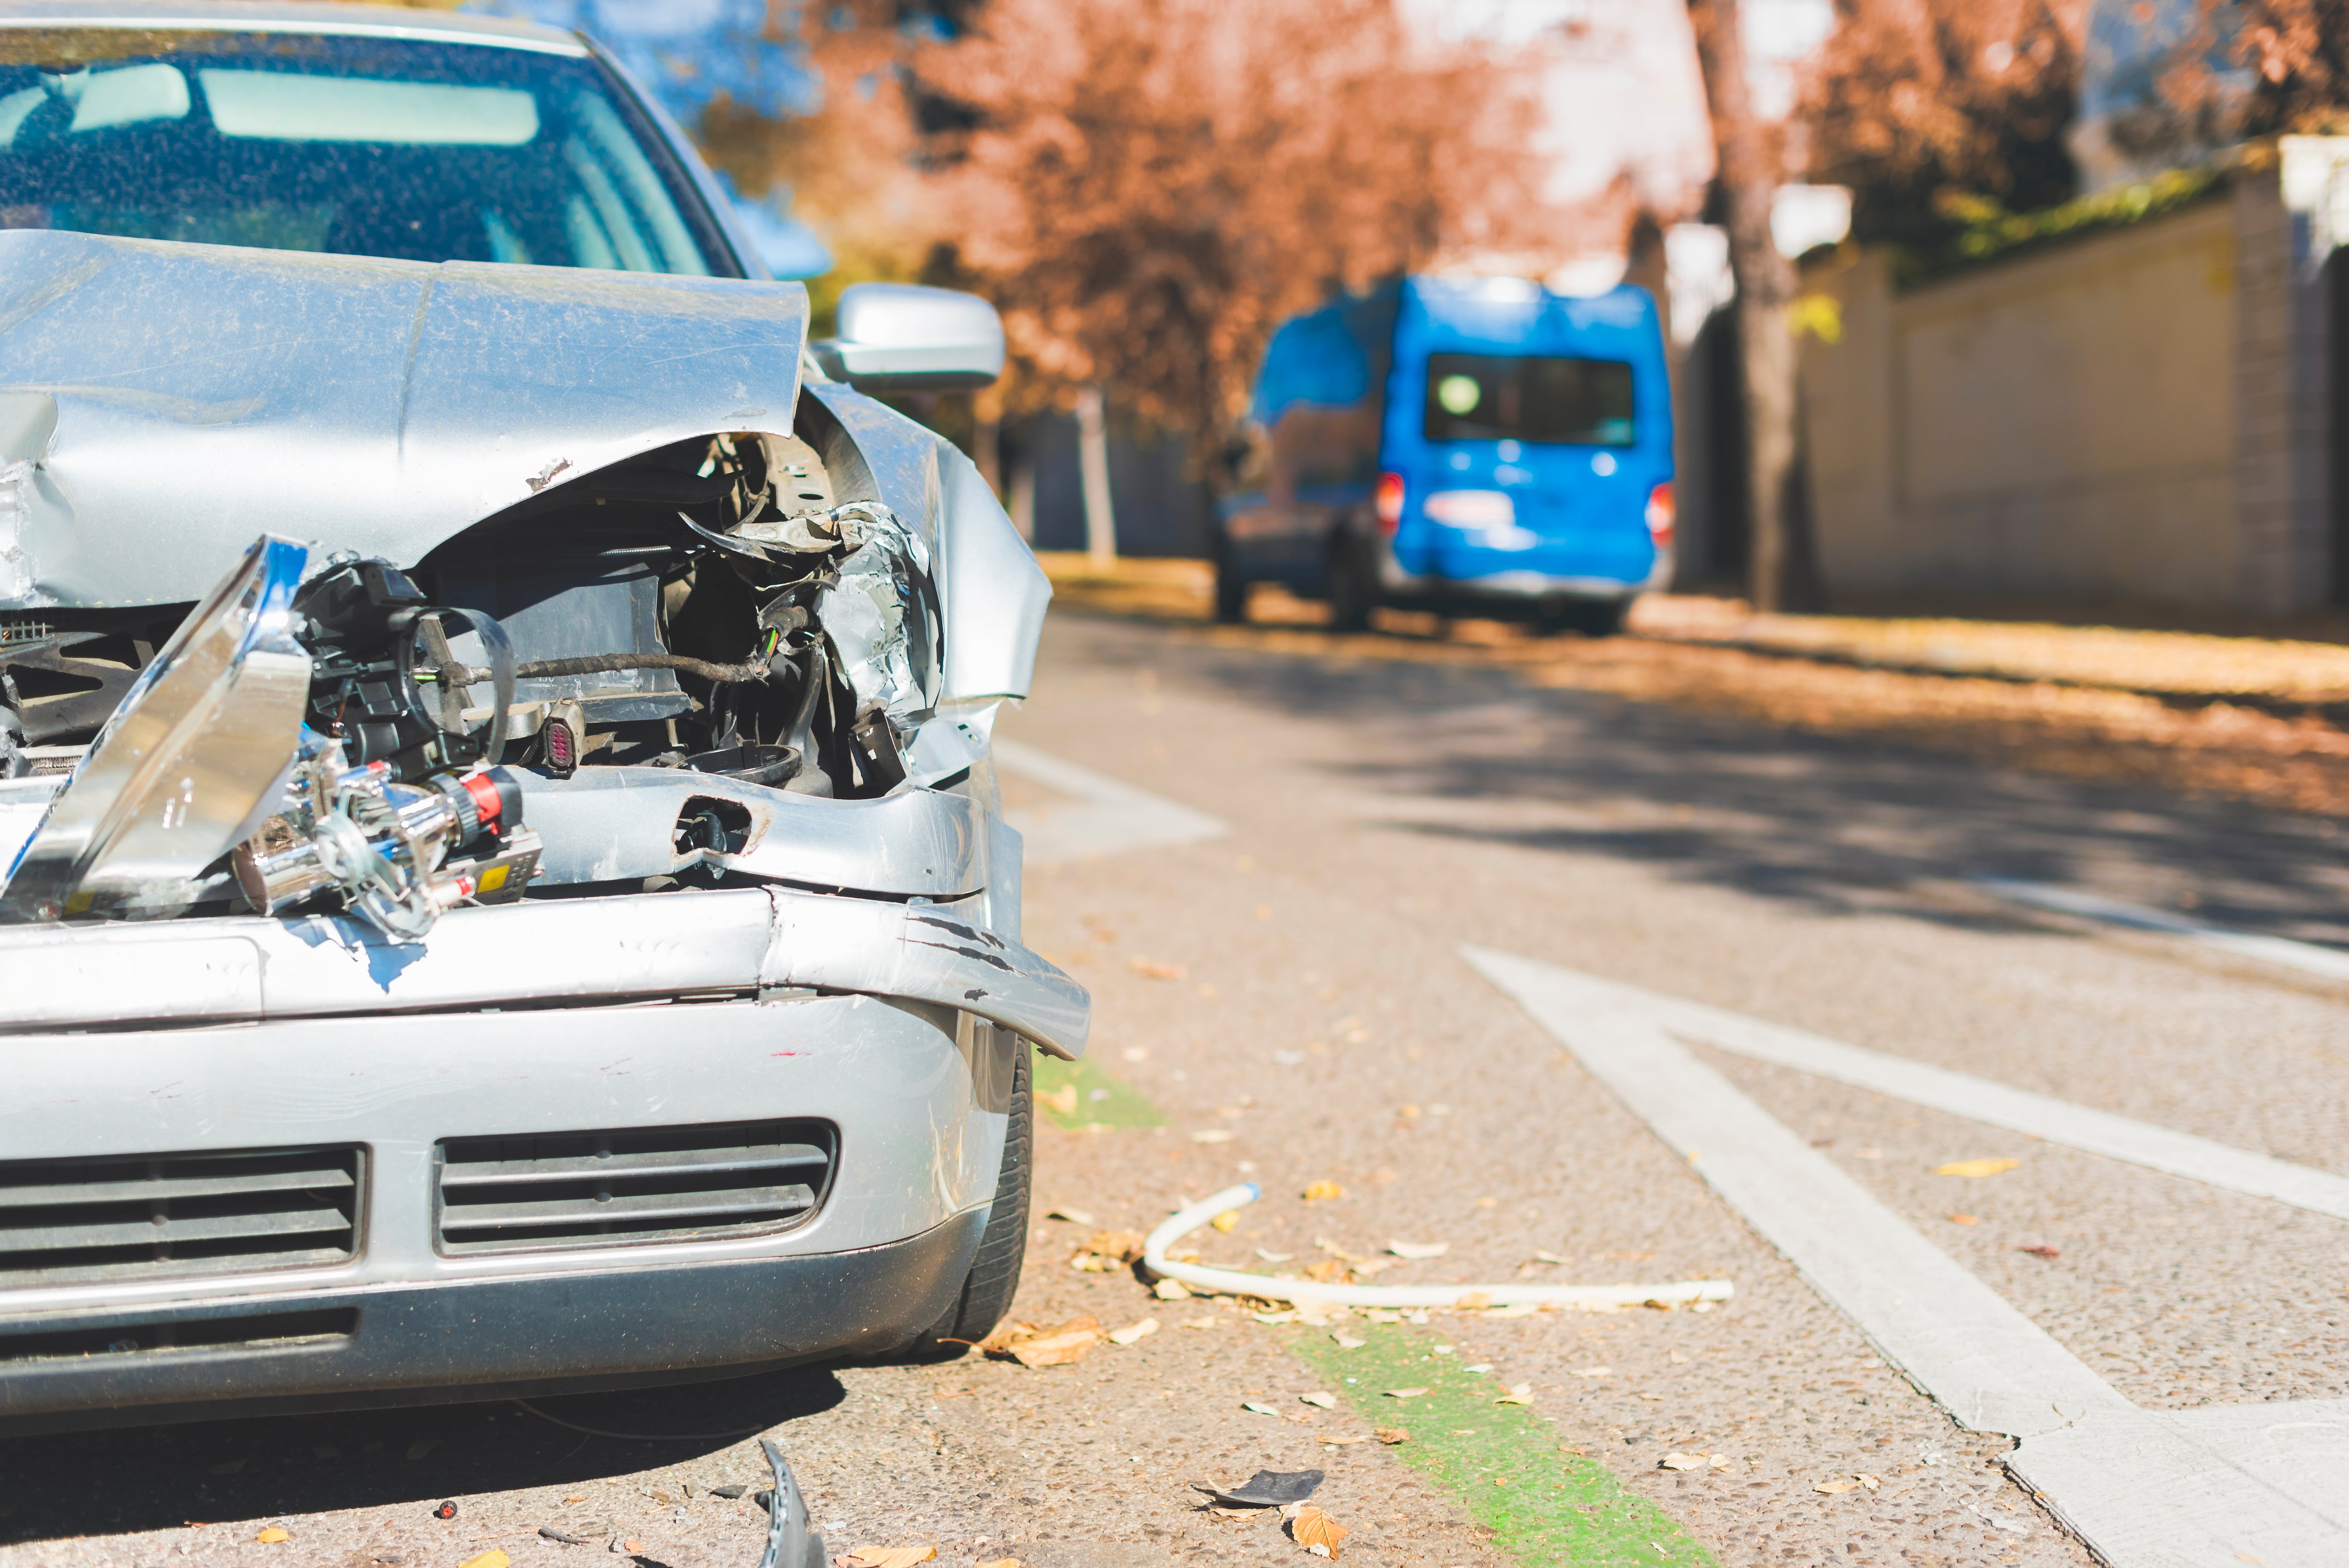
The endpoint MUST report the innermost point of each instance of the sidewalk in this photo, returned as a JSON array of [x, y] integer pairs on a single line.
[[2262, 720]]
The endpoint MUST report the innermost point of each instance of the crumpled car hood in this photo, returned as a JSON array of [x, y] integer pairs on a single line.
[[162, 404]]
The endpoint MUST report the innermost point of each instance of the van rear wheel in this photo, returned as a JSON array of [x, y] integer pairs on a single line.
[[1353, 593]]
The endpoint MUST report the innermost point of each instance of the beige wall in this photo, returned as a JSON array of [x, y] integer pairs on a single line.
[[2062, 425]]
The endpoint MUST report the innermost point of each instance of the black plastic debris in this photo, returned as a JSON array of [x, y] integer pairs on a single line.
[[564, 1536], [790, 1544], [1268, 1489], [729, 1492]]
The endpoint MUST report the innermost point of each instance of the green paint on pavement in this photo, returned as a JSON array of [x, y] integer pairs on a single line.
[[1505, 1465], [1100, 1098]]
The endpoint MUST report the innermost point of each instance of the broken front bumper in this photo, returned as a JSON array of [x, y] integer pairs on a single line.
[[304, 1086]]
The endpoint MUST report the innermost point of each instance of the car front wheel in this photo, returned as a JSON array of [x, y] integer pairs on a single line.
[[994, 1277]]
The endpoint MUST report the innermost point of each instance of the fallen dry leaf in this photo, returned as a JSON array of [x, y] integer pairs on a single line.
[[1317, 1531], [1419, 1249], [493, 1558], [1034, 1346], [1319, 1192], [1680, 1461], [1170, 1289], [1327, 1401], [1074, 1216], [1548, 1258], [1474, 1300], [1963, 1218], [1405, 1393], [1213, 1135], [1328, 1271], [1140, 1331], [1220, 1512], [1255, 1408], [1202, 1322], [2042, 1250], [1149, 971], [1003, 1563], [1116, 1248], [1274, 1257], [1518, 1394], [272, 1535], [1062, 1100], [1975, 1167], [1391, 1436], [1594, 1372], [1348, 1342], [1841, 1483], [1226, 1222], [888, 1556]]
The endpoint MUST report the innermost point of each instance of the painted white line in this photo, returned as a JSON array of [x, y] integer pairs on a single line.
[[2143, 1489], [1979, 1100], [2308, 957], [1107, 818]]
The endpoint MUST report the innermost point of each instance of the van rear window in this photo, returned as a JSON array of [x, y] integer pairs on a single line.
[[1526, 397]]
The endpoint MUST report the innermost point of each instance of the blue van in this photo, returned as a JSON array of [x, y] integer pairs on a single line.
[[1464, 445]]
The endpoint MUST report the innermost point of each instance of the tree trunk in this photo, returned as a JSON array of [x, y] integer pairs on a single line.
[[1092, 460], [1783, 570]]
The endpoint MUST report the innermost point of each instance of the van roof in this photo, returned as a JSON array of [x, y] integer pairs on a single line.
[[291, 16]]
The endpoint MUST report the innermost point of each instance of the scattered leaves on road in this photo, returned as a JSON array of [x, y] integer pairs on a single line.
[[887, 1556], [1170, 1289], [1074, 1216], [1844, 1483], [1227, 1222], [1419, 1249], [1322, 1191], [1594, 1372], [1137, 1333], [1405, 1393], [1348, 1342], [272, 1535], [1034, 1346], [1327, 1401], [1329, 1271], [1963, 1218], [1062, 1100], [1317, 1531], [492, 1558], [1149, 971], [1213, 1135], [1106, 1252], [1975, 1167], [1209, 1322], [1391, 1436], [1253, 1408], [2042, 1250], [1518, 1394], [1003, 1563]]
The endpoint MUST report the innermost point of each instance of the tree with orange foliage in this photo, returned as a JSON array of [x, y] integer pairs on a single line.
[[1148, 188], [1912, 101]]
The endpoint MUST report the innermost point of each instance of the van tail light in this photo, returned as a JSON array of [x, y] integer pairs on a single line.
[[1390, 502], [1662, 515]]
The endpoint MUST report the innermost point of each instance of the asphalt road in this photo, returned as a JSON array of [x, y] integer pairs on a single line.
[[1294, 987]]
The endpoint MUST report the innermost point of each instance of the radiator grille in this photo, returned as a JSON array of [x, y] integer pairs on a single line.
[[63, 1222], [630, 1186]]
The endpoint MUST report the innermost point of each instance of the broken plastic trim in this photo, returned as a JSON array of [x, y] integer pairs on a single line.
[[1239, 1282], [790, 1544]]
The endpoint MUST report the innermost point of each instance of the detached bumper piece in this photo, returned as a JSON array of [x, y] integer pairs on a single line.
[[751, 940]]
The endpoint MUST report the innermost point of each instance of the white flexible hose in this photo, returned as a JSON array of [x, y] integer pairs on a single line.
[[1239, 1282]]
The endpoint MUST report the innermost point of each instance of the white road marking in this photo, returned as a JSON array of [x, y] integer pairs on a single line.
[[1109, 816], [2143, 1489], [2308, 957], [1995, 1104]]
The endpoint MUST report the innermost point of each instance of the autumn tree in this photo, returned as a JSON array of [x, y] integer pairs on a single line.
[[1147, 188], [1930, 109]]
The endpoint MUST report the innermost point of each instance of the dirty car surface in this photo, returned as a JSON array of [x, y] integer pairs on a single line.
[[506, 888]]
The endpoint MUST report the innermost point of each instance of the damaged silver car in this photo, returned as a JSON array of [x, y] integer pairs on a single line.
[[506, 889]]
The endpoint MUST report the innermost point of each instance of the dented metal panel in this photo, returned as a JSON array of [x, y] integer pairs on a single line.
[[380, 406]]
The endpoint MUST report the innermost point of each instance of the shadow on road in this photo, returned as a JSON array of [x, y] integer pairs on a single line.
[[154, 1478], [1826, 823]]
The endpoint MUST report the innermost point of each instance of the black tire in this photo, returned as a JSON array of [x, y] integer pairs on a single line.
[[1353, 593], [1583, 617], [994, 1277], [1231, 589]]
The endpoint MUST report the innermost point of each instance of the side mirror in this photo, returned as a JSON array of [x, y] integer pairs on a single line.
[[903, 337]]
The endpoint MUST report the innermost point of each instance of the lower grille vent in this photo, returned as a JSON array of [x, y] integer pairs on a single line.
[[65, 1221], [632, 1186], [271, 1331]]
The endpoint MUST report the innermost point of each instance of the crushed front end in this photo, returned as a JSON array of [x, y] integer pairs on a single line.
[[542, 917]]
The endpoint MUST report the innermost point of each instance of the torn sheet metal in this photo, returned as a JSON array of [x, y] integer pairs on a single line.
[[390, 404], [883, 615]]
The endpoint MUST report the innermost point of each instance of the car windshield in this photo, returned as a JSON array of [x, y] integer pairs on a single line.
[[356, 144], [1526, 397]]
